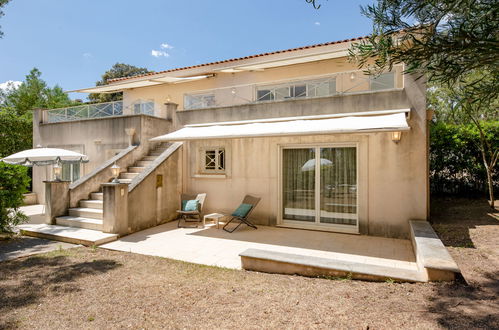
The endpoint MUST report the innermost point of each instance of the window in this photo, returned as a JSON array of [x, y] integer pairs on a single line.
[[199, 101], [70, 172], [213, 160], [310, 88], [383, 81], [143, 107]]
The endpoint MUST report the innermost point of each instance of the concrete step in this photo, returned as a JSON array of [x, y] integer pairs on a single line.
[[97, 195], [86, 212], [149, 158], [287, 263], [127, 175], [91, 203], [125, 180], [143, 163], [135, 169], [155, 153], [79, 222], [73, 235]]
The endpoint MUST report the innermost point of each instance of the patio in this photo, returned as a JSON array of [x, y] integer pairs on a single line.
[[215, 247]]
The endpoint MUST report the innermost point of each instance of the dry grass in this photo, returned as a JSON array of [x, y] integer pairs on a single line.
[[96, 288]]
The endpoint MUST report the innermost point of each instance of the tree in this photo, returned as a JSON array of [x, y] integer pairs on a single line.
[[34, 93], [2, 4], [119, 70], [454, 43], [14, 182]]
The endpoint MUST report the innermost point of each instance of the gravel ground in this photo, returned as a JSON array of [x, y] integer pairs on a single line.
[[97, 288]]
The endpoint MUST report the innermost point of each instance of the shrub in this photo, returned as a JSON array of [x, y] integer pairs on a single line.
[[456, 165], [13, 184]]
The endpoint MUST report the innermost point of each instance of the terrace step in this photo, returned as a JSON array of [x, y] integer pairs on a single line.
[[135, 169], [73, 235], [287, 263], [143, 163], [79, 222], [91, 203], [97, 196], [149, 158], [155, 153], [127, 175], [125, 180], [86, 212]]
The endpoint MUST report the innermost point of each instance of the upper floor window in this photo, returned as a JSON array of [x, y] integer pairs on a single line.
[[383, 81], [198, 101], [143, 107], [310, 88]]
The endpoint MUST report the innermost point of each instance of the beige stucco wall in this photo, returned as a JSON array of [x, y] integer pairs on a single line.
[[99, 139], [393, 177], [244, 83]]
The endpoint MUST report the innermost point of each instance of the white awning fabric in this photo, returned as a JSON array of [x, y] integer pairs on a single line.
[[118, 87], [348, 124]]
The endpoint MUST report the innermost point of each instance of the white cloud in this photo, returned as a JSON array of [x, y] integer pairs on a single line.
[[10, 84], [166, 46], [87, 55], [317, 23], [159, 53]]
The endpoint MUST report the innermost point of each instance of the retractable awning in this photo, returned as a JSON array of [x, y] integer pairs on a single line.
[[118, 87], [394, 120]]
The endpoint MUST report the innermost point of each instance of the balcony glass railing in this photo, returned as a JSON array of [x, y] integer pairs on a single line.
[[85, 111], [323, 86]]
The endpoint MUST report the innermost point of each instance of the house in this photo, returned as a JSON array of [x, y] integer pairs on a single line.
[[325, 146]]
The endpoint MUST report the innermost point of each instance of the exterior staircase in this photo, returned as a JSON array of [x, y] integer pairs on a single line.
[[89, 213]]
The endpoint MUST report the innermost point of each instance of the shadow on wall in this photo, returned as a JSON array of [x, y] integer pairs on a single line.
[[452, 219], [24, 282]]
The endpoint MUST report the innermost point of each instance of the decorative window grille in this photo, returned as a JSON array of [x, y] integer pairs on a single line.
[[198, 101], [214, 160]]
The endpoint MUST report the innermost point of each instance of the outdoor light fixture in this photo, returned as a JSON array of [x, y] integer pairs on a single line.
[[396, 136], [115, 172], [352, 76], [233, 91], [57, 172]]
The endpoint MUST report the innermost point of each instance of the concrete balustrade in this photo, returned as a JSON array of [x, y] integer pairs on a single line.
[[115, 208]]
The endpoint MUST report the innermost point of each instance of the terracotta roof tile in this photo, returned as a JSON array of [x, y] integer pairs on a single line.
[[240, 58]]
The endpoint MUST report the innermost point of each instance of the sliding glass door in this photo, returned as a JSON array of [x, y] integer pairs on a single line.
[[319, 187]]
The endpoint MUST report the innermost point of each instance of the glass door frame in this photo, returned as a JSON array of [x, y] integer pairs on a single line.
[[317, 225]]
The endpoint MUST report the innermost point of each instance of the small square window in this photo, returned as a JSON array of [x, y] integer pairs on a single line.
[[214, 160]]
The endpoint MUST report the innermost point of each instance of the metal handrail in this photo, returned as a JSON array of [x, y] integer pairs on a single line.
[[84, 111]]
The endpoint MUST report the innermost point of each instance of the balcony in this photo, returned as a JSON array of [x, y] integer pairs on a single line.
[[343, 83], [98, 110]]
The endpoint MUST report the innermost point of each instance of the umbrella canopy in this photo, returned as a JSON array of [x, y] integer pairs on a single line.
[[45, 156], [310, 164]]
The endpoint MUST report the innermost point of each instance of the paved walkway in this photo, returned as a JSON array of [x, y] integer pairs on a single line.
[[26, 246], [211, 246]]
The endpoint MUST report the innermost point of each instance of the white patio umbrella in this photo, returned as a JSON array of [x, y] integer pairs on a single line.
[[310, 164], [45, 156]]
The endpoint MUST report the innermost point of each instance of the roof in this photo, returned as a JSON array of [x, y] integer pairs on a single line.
[[239, 58]]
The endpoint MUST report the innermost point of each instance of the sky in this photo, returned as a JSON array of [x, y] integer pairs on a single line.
[[73, 42]]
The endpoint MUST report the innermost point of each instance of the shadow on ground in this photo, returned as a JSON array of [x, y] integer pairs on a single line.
[[41, 275], [453, 218]]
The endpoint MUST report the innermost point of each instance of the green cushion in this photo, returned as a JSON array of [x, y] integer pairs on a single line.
[[242, 211], [191, 205]]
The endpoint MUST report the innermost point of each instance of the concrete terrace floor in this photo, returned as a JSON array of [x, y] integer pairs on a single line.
[[215, 247]]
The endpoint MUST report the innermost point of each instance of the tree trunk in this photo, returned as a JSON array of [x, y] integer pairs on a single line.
[[491, 188]]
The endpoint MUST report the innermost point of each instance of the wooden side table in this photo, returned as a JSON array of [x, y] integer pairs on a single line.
[[213, 216]]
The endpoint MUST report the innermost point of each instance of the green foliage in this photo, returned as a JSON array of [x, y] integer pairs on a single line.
[[2, 4], [445, 39], [15, 133], [34, 93], [456, 164], [13, 184], [118, 70]]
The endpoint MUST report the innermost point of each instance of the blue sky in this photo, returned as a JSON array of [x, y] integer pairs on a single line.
[[74, 42]]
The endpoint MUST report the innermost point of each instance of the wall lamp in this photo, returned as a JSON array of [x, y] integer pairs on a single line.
[[396, 136], [115, 172], [57, 171]]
